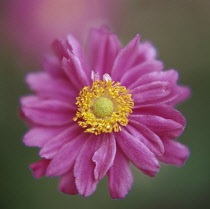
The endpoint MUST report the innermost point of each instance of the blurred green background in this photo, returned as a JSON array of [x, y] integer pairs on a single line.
[[181, 31]]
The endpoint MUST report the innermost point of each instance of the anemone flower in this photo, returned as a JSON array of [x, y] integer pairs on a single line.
[[96, 110]]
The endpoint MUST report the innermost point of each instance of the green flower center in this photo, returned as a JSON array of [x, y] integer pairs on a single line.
[[103, 107]]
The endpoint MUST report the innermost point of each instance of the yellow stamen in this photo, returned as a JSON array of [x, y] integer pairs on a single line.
[[103, 107]]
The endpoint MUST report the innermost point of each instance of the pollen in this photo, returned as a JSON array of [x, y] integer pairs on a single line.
[[103, 107]]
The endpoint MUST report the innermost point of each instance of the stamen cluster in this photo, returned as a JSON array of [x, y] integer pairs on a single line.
[[117, 98]]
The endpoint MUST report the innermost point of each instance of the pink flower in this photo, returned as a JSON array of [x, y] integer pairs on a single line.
[[32, 25], [95, 112]]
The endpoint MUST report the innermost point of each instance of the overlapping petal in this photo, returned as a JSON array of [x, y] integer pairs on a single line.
[[75, 72], [46, 112], [39, 168], [103, 48], [134, 73], [163, 120], [104, 156], [119, 176], [156, 92], [39, 135], [146, 136], [125, 59], [48, 87], [75, 48], [52, 66], [65, 158], [60, 48], [84, 168], [138, 153], [170, 76], [146, 52], [171, 93], [67, 183], [179, 94], [51, 148], [175, 153]]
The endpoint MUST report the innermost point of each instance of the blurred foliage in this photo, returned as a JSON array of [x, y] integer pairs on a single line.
[[181, 31]]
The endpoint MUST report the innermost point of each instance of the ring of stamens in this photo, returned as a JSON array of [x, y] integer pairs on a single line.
[[103, 107]]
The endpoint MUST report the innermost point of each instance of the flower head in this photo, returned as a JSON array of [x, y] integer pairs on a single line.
[[93, 113]]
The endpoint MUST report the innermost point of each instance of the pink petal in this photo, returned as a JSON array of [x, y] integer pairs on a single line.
[[149, 173], [119, 176], [67, 183], [46, 86], [51, 65], [78, 52], [171, 94], [175, 153], [75, 72], [50, 149], [39, 168], [125, 59], [76, 49], [60, 48], [46, 112], [75, 46], [146, 52], [65, 158], [84, 167], [70, 44], [169, 76], [137, 152], [151, 93], [150, 86], [104, 156], [146, 136], [161, 125], [131, 75], [180, 93], [163, 120], [39, 135], [104, 46]]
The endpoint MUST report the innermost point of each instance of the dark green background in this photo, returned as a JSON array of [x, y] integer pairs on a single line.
[[181, 31]]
